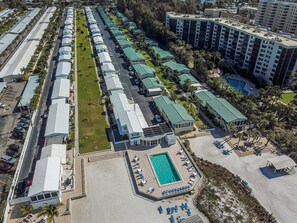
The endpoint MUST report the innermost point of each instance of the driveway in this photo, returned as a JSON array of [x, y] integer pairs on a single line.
[[130, 88], [276, 193]]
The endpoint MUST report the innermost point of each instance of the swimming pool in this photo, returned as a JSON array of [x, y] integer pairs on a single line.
[[164, 168], [238, 85]]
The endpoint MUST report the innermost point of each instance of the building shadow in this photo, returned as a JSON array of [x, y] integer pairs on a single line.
[[270, 174]]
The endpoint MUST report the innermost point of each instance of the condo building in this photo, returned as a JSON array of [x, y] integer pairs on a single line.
[[262, 53], [278, 15]]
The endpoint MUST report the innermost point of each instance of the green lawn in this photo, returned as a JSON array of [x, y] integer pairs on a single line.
[[171, 87], [91, 116], [287, 97]]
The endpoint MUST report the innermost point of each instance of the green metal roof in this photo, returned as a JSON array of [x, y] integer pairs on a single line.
[[204, 96], [151, 42], [124, 43], [162, 101], [162, 53], [120, 37], [184, 77], [181, 68], [152, 82], [177, 113], [144, 70], [224, 109], [116, 32], [132, 54]]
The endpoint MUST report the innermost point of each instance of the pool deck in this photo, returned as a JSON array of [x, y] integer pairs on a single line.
[[149, 174], [249, 87]]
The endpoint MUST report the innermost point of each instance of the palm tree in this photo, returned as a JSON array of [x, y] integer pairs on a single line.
[[26, 209], [19, 98], [50, 211]]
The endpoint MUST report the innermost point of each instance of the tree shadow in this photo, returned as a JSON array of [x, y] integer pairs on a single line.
[[270, 174]]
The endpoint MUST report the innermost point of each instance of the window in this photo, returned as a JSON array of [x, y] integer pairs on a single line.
[[40, 197], [54, 194], [47, 195], [33, 198]]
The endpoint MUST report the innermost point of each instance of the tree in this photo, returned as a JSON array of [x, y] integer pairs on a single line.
[[26, 208], [19, 98], [51, 211]]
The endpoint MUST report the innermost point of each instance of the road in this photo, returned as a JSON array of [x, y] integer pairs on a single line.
[[130, 88], [36, 141]]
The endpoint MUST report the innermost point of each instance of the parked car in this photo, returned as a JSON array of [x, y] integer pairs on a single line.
[[12, 153], [131, 73], [24, 115], [45, 114], [7, 159], [2, 105], [14, 147], [137, 81], [158, 118], [5, 167], [130, 68]]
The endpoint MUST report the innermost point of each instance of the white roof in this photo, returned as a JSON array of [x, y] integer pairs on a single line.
[[140, 116], [26, 50], [66, 41], [120, 103], [65, 50], [61, 89], [63, 69], [67, 32], [101, 48], [104, 57], [60, 100], [129, 119], [92, 26], [2, 86], [54, 150], [65, 57], [282, 162], [5, 40], [108, 67], [98, 39], [29, 91], [113, 83], [58, 120], [96, 34], [127, 113], [47, 176], [95, 30]]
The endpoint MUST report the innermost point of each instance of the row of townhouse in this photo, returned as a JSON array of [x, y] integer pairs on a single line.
[[48, 175]]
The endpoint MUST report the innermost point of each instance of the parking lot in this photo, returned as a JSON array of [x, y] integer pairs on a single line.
[[8, 97], [274, 192], [131, 89]]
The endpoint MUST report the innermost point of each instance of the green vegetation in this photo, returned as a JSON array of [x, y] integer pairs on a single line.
[[287, 97], [222, 192], [91, 115], [5, 26]]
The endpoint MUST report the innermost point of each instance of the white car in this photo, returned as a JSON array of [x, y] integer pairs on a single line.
[[158, 118]]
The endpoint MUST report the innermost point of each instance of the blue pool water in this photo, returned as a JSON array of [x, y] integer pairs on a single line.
[[164, 168], [238, 85]]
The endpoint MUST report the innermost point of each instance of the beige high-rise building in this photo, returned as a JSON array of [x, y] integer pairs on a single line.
[[279, 15]]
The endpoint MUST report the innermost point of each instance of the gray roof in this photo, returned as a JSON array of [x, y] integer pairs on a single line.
[[22, 24], [29, 91], [63, 69], [58, 120], [61, 89], [2, 86]]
